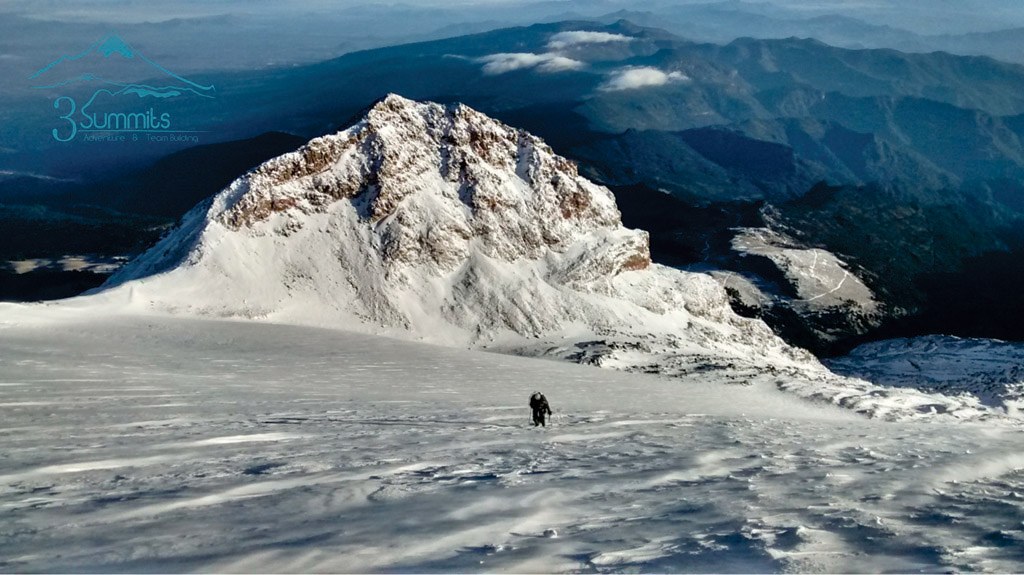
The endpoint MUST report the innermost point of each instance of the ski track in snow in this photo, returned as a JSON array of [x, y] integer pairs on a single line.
[[129, 447]]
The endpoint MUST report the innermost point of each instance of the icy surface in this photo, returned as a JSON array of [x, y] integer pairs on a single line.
[[157, 444]]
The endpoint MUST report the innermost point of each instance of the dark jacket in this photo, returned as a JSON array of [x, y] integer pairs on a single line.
[[539, 404]]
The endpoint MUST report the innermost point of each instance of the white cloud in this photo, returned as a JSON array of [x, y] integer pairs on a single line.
[[547, 62], [565, 39], [640, 77]]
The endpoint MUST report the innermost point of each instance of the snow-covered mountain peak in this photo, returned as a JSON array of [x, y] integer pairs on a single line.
[[433, 180], [449, 226]]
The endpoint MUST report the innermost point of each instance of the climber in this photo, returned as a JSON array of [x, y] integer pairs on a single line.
[[540, 407]]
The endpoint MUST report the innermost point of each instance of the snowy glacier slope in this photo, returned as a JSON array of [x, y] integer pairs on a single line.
[[147, 443]]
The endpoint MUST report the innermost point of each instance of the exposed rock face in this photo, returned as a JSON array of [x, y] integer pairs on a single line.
[[400, 148]]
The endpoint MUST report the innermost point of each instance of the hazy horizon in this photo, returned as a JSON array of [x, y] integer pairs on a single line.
[[922, 17]]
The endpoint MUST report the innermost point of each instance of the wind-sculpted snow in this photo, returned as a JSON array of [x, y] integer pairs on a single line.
[[991, 370], [156, 444]]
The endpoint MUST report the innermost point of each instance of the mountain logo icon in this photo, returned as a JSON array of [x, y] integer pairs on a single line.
[[114, 76]]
